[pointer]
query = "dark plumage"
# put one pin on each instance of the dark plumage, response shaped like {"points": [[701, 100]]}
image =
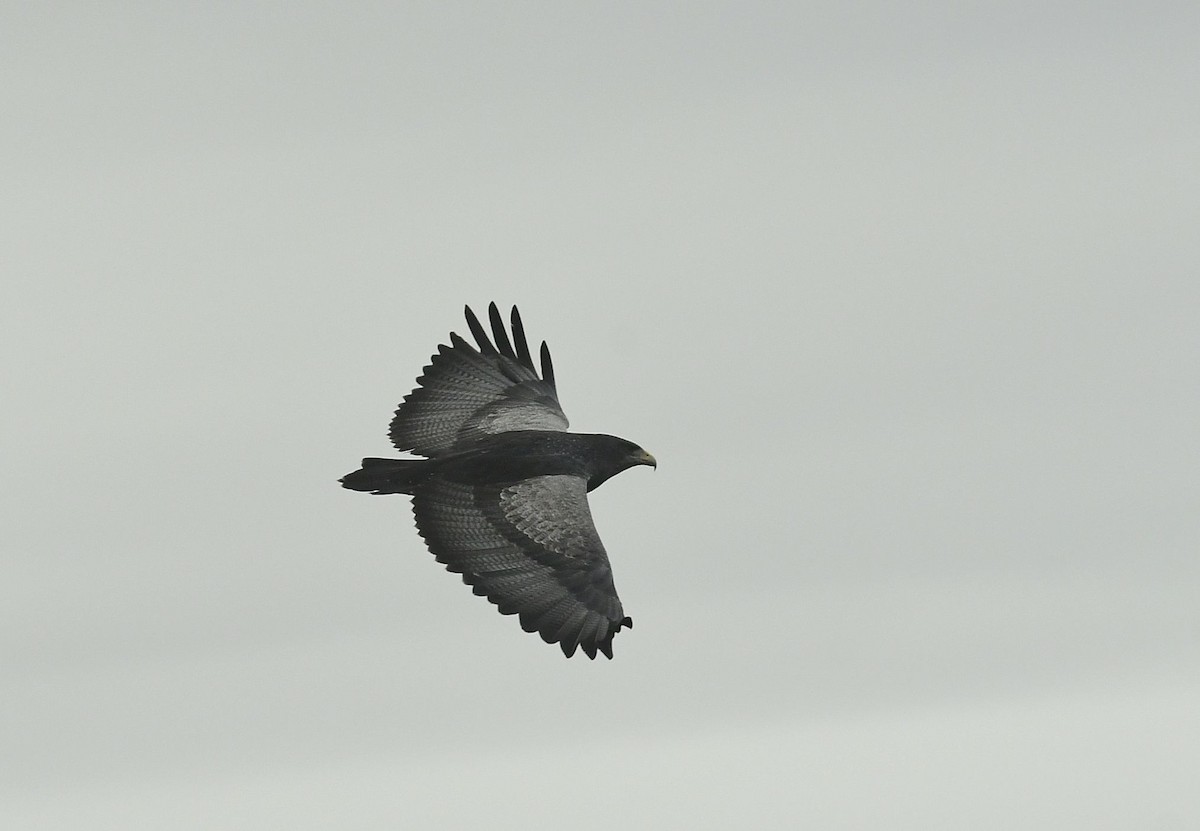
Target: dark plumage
{"points": [[502, 496]]}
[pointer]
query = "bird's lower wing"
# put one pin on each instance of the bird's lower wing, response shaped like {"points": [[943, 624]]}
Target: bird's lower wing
{"points": [[532, 549]]}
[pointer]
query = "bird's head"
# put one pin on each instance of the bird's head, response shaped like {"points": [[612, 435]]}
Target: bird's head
{"points": [[611, 455], [638, 456]]}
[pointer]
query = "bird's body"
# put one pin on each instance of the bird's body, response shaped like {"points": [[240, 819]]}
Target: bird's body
{"points": [[521, 454], [502, 496]]}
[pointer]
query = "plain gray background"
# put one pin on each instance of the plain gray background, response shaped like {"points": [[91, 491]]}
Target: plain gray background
{"points": [[903, 297]]}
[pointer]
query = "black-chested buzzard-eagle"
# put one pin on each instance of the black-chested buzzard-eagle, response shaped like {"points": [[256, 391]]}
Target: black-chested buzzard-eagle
{"points": [[502, 496]]}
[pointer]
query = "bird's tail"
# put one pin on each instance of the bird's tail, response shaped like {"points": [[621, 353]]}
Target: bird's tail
{"points": [[387, 475]]}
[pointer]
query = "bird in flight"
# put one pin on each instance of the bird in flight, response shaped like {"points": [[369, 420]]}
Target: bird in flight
{"points": [[501, 497]]}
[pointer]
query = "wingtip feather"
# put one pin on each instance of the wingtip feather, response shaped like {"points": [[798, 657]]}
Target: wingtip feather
{"points": [[498, 334], [547, 366], [479, 333], [519, 341]]}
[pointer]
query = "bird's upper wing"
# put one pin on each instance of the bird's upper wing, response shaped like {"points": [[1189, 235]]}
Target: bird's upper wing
{"points": [[467, 393], [531, 548]]}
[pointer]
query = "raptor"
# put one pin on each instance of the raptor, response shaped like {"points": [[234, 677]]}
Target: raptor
{"points": [[500, 496]]}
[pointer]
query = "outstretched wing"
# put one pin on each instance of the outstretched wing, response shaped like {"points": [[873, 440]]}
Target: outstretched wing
{"points": [[467, 393], [531, 548]]}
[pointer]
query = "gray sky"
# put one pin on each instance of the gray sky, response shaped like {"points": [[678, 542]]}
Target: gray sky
{"points": [[904, 300]]}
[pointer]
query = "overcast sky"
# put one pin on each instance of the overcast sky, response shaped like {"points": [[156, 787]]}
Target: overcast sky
{"points": [[905, 300]]}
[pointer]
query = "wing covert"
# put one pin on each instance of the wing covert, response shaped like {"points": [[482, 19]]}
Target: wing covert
{"points": [[466, 393]]}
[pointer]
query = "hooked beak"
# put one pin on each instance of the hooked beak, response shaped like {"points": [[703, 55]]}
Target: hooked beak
{"points": [[641, 457]]}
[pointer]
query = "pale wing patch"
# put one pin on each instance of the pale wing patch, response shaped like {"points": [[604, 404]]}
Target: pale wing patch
{"points": [[507, 415], [553, 512]]}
